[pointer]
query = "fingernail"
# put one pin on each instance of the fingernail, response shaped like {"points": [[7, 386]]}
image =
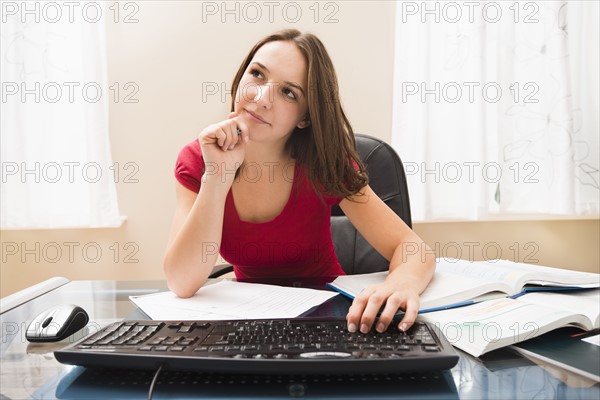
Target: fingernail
{"points": [[364, 328], [404, 326], [380, 327], [352, 328]]}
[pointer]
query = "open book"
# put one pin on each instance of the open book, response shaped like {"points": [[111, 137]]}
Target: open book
{"points": [[490, 325], [459, 282]]}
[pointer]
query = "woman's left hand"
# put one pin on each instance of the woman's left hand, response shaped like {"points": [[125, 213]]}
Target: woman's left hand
{"points": [[365, 307]]}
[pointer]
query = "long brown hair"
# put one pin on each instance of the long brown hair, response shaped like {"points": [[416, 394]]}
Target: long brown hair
{"points": [[326, 147]]}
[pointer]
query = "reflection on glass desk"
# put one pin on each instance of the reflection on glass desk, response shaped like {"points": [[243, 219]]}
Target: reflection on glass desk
{"points": [[30, 371]]}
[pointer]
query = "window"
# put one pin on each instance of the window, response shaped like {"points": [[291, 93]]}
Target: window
{"points": [[56, 162], [496, 108]]}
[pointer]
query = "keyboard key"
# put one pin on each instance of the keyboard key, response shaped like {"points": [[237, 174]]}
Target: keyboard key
{"points": [[152, 323], [326, 346], [186, 328], [428, 341], [158, 340]]}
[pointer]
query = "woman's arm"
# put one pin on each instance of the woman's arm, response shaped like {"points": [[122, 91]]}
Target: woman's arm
{"points": [[197, 227], [195, 237], [412, 264]]}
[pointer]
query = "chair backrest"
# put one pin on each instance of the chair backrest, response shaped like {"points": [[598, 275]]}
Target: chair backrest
{"points": [[388, 181]]}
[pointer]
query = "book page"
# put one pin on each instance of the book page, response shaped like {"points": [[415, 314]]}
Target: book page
{"points": [[486, 271], [232, 300], [542, 275], [352, 285], [585, 302], [517, 275], [486, 326], [446, 288], [457, 281]]}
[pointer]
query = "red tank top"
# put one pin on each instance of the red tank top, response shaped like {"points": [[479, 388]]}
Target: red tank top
{"points": [[296, 243]]}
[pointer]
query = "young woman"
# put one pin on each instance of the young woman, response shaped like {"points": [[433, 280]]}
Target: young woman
{"points": [[258, 187]]}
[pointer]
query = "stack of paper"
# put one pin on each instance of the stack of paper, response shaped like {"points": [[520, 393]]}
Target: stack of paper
{"points": [[232, 300]]}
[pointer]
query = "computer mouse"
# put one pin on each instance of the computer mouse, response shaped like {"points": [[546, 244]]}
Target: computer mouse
{"points": [[57, 323]]}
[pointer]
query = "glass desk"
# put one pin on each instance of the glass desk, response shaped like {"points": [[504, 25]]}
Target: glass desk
{"points": [[29, 370]]}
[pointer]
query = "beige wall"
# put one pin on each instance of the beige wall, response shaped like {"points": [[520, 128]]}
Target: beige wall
{"points": [[170, 54], [571, 244]]}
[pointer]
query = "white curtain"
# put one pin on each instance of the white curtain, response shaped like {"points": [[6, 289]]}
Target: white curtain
{"points": [[496, 108], [57, 170]]}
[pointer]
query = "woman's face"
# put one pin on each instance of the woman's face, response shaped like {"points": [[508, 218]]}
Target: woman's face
{"points": [[271, 96]]}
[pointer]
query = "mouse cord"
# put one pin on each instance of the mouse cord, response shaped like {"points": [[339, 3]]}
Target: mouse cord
{"points": [[151, 389]]}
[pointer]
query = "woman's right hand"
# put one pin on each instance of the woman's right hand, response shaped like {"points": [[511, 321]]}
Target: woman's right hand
{"points": [[223, 149]]}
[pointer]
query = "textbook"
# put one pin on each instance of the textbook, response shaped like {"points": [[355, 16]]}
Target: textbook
{"points": [[459, 283], [486, 305], [489, 325]]}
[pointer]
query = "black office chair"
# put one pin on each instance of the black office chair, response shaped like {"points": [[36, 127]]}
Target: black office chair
{"points": [[388, 181]]}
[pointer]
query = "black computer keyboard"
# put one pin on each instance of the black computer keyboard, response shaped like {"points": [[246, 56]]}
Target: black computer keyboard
{"points": [[282, 346]]}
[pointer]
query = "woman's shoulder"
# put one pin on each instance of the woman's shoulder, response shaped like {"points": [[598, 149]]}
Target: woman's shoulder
{"points": [[191, 150], [189, 167]]}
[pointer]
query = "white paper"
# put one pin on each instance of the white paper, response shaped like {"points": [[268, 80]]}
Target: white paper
{"points": [[232, 300], [593, 340]]}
